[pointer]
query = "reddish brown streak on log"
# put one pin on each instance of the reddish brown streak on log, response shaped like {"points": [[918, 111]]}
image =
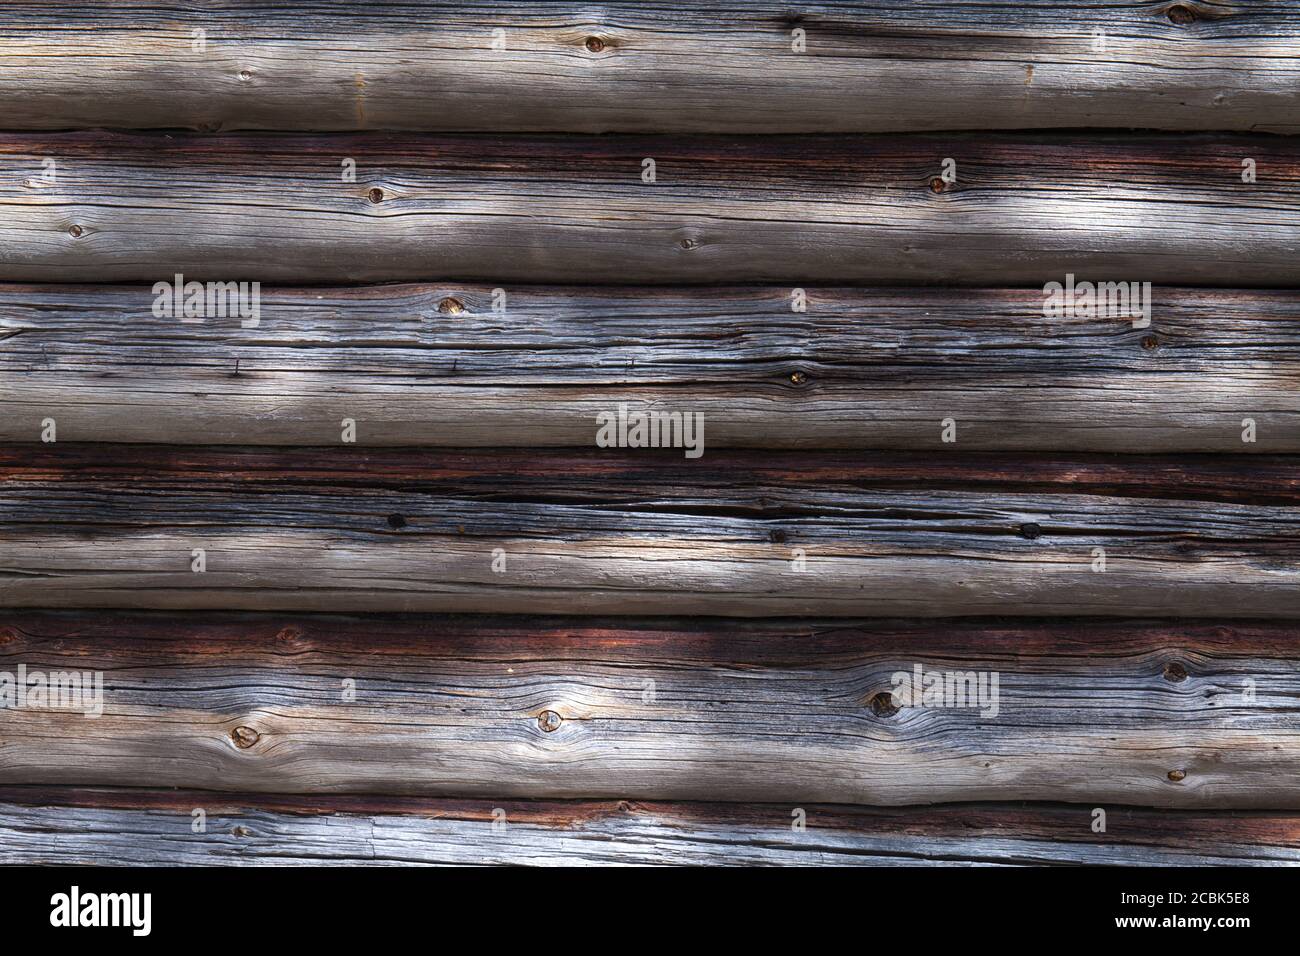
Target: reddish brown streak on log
{"points": [[159, 636], [1259, 479], [1001, 158]]}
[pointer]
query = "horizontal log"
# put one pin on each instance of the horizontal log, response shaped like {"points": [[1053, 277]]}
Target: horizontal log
{"points": [[61, 826], [1110, 713], [572, 534], [1260, 480], [705, 66], [1023, 210], [436, 365]]}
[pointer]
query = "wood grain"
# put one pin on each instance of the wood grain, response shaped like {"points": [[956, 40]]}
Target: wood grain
{"points": [[437, 365], [64, 826], [1259, 480], [706, 66], [1097, 713], [1024, 210], [732, 625], [664, 537]]}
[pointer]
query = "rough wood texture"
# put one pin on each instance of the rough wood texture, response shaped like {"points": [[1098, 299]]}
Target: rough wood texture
{"points": [[627, 533], [154, 828], [1091, 712], [1024, 210], [1263, 479], [858, 369], [697, 67]]}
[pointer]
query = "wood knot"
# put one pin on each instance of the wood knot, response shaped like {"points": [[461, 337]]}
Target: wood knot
{"points": [[1175, 672], [1150, 343], [689, 244], [288, 635], [244, 737], [937, 185], [882, 704], [1030, 530], [75, 232], [594, 45], [549, 721], [798, 378], [1181, 15], [375, 195], [8, 635], [245, 75], [241, 831], [451, 306], [396, 522], [1176, 775], [776, 536]]}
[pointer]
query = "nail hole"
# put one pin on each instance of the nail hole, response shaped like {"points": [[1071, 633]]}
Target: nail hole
{"points": [[549, 721], [396, 521], [882, 704], [1175, 672], [375, 195], [595, 44], [451, 305]]}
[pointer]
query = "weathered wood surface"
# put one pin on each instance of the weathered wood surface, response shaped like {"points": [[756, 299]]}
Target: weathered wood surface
{"points": [[59, 826], [1024, 210], [632, 533], [697, 67], [436, 365], [1261, 480], [1098, 713]]}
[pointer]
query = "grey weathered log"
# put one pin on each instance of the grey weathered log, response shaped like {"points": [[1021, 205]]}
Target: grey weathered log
{"points": [[436, 365], [61, 826], [617, 532], [1098, 713], [621, 66], [1024, 209]]}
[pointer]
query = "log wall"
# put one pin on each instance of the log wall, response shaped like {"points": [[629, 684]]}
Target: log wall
{"points": [[357, 579]]}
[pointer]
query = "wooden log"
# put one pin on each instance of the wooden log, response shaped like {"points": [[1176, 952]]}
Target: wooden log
{"points": [[667, 536], [435, 365], [61, 826], [1261, 480], [1096, 713], [1024, 209], [620, 66]]}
